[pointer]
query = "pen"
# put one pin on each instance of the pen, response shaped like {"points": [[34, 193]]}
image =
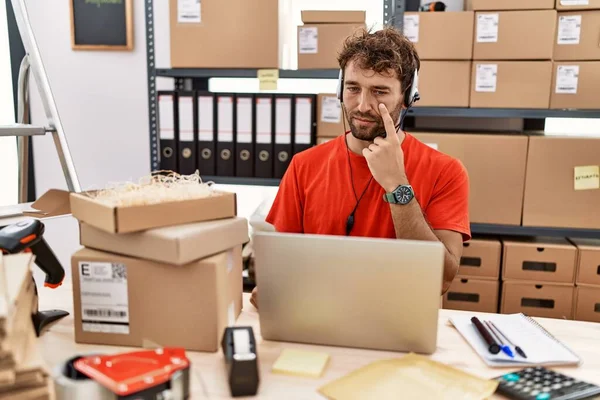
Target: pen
{"points": [[505, 348], [493, 347], [517, 348]]}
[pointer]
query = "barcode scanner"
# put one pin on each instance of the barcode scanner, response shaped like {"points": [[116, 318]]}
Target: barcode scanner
{"points": [[28, 236]]}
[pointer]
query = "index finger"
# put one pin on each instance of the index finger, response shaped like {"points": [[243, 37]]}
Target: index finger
{"points": [[390, 128]]}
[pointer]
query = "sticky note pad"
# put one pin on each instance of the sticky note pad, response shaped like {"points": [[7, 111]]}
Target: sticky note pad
{"points": [[300, 362], [587, 177], [267, 79]]}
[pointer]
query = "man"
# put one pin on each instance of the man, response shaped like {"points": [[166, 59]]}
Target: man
{"points": [[376, 180]]}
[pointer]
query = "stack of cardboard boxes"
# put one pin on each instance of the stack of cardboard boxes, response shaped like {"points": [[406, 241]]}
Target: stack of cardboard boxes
{"points": [[165, 274], [576, 76], [587, 280], [476, 287], [444, 42], [23, 374]]}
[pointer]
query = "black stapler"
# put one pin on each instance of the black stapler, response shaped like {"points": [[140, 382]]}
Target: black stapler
{"points": [[241, 360]]}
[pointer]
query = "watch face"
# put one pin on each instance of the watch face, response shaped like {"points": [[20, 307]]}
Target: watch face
{"points": [[404, 194]]}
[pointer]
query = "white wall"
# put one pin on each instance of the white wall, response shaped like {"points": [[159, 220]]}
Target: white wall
{"points": [[101, 97], [8, 145]]}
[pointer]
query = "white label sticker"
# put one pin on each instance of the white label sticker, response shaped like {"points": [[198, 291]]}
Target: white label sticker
{"points": [[104, 300], [188, 11], [263, 121], [186, 119], [206, 129], [244, 120], [231, 314], [487, 28], [225, 120], [567, 79], [308, 40], [411, 27], [166, 124], [574, 2], [569, 29], [432, 145], [303, 121], [485, 80], [283, 121], [331, 110]]}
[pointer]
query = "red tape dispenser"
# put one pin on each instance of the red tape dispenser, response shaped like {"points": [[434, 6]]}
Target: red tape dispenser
{"points": [[145, 375]]}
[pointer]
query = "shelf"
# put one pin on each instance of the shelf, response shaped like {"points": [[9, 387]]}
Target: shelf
{"points": [[234, 180], [245, 73], [501, 113], [509, 230]]}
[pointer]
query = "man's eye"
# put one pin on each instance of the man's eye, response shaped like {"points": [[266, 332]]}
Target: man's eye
{"points": [[380, 93], [353, 89]]}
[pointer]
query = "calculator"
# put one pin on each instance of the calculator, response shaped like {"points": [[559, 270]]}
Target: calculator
{"points": [[539, 383]]}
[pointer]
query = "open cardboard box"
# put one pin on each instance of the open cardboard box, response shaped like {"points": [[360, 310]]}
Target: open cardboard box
{"points": [[138, 218], [53, 203]]}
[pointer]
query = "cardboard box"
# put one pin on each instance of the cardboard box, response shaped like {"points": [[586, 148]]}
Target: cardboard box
{"points": [[437, 90], [537, 300], [588, 261], [220, 34], [139, 218], [481, 259], [511, 84], [496, 186], [576, 85], [441, 35], [539, 260], [514, 35], [578, 5], [562, 180], [472, 295], [329, 116], [492, 5], [322, 35], [177, 245], [149, 304], [587, 303], [577, 36]]}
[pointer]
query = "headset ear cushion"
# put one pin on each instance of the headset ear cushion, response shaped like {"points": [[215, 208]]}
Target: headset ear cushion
{"points": [[340, 86]]}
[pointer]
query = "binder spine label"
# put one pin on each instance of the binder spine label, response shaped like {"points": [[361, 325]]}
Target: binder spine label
{"points": [[165, 117], [283, 116], [205, 119], [186, 119]]}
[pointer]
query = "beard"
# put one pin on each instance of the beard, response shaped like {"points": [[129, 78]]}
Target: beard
{"points": [[369, 133]]}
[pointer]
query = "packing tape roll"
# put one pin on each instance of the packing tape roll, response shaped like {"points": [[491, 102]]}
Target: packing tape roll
{"points": [[74, 389]]}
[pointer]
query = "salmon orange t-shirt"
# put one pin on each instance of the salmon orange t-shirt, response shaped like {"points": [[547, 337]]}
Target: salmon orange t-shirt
{"points": [[316, 197]]}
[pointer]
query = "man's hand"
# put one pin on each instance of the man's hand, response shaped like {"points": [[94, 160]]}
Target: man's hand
{"points": [[385, 156], [254, 297]]}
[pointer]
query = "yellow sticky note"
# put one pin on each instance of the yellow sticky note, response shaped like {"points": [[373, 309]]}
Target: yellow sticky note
{"points": [[587, 177], [267, 79], [300, 362]]}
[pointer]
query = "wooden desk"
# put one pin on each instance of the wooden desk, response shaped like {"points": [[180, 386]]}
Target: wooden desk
{"points": [[208, 377]]}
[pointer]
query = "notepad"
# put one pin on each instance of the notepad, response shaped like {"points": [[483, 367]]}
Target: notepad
{"points": [[300, 362], [539, 345]]}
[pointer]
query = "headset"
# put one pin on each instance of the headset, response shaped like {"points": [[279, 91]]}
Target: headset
{"points": [[413, 92]]}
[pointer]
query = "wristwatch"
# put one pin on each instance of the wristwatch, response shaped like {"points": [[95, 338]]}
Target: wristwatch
{"points": [[403, 194]]}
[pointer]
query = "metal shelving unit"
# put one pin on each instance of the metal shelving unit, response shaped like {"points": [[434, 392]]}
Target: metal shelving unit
{"points": [[393, 13]]}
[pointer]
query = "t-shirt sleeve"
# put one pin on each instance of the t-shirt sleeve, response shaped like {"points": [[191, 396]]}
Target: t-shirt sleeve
{"points": [[449, 205], [286, 214]]}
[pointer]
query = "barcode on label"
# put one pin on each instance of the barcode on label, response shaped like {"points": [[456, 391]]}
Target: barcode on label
{"points": [[103, 312], [119, 271]]}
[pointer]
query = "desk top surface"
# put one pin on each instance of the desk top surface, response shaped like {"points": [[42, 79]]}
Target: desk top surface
{"points": [[208, 371]]}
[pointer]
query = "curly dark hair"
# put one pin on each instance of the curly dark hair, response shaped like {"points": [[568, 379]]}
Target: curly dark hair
{"points": [[381, 51]]}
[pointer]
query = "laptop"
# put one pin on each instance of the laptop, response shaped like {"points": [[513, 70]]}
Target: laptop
{"points": [[380, 294]]}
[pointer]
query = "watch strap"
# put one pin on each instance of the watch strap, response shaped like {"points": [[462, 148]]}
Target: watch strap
{"points": [[390, 197]]}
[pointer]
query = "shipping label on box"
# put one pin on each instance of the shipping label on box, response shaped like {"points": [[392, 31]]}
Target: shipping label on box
{"points": [[569, 29], [308, 40], [587, 177], [567, 79], [486, 79], [331, 110], [487, 28], [104, 300], [411, 27]]}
